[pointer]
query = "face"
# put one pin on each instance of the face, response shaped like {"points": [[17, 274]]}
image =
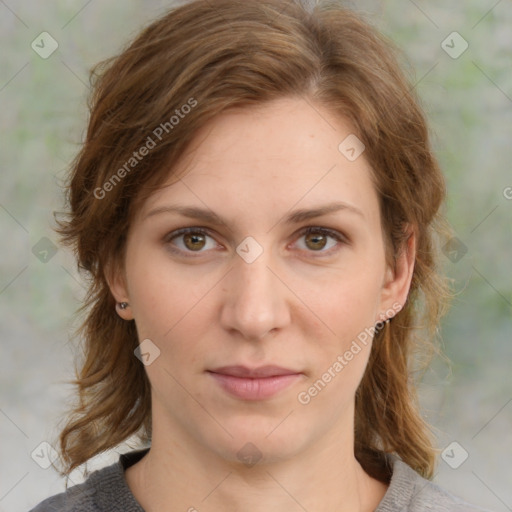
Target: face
{"points": [[251, 283]]}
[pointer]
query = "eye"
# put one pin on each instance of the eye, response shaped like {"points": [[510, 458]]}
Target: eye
{"points": [[316, 239], [193, 240]]}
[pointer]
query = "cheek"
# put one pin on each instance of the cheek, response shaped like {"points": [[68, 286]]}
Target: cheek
{"points": [[340, 345], [341, 304], [173, 309], [339, 337]]}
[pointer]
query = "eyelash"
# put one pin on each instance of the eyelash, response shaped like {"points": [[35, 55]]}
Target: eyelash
{"points": [[305, 231]]}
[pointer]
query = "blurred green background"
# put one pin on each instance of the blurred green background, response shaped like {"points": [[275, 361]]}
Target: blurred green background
{"points": [[468, 99]]}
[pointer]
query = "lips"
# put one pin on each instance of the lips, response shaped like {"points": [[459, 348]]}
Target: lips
{"points": [[254, 373], [254, 383]]}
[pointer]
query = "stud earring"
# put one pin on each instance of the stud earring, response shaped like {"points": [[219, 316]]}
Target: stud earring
{"points": [[382, 324], [123, 305]]}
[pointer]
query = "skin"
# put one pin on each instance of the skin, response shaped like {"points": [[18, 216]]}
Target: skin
{"points": [[299, 305]]}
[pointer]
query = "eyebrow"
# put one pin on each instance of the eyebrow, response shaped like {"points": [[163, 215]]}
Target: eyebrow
{"points": [[294, 217]]}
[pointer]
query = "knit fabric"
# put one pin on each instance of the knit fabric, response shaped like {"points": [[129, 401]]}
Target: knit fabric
{"points": [[106, 490]]}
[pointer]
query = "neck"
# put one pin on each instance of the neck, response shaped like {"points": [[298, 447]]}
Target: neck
{"points": [[322, 477]]}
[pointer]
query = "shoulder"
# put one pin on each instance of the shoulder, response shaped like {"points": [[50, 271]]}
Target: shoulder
{"points": [[79, 498], [104, 490], [409, 492]]}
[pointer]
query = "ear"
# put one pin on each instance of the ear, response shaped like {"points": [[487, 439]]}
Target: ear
{"points": [[116, 280], [397, 280]]}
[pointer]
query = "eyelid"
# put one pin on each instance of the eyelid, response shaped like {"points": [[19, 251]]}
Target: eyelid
{"points": [[334, 233], [340, 237]]}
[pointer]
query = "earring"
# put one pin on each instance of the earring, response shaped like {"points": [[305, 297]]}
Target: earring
{"points": [[383, 323], [123, 305]]}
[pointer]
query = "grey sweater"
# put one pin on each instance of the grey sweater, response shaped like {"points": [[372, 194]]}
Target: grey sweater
{"points": [[106, 490]]}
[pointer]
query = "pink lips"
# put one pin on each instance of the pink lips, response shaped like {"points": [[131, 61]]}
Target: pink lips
{"points": [[256, 383]]}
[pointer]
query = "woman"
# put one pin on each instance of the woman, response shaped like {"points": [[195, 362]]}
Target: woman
{"points": [[257, 204]]}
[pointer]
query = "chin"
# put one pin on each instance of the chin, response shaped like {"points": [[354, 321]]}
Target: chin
{"points": [[255, 442]]}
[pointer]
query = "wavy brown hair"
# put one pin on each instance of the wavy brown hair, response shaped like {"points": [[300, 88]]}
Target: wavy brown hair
{"points": [[226, 54]]}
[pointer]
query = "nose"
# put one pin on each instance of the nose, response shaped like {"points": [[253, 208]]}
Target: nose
{"points": [[256, 299]]}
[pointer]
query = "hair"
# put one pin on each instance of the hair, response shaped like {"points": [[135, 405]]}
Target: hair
{"points": [[185, 68]]}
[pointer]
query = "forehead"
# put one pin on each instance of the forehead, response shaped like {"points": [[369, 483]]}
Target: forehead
{"points": [[270, 158]]}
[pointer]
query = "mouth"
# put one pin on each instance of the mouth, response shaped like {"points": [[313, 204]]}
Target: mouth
{"points": [[254, 383]]}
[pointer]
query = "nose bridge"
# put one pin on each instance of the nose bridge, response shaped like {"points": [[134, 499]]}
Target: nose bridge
{"points": [[254, 303]]}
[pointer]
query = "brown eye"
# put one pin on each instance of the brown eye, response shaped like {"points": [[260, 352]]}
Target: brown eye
{"points": [[194, 241], [189, 240], [315, 241]]}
